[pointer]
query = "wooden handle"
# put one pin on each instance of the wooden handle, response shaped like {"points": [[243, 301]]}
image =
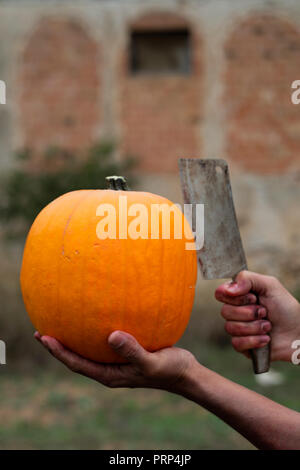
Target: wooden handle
{"points": [[261, 359]]}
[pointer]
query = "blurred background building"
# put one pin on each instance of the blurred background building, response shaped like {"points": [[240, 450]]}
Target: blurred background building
{"points": [[166, 79], [161, 80]]}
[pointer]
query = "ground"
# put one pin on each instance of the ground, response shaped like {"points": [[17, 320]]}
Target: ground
{"points": [[55, 409]]}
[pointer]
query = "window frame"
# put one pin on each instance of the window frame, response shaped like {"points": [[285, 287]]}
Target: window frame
{"points": [[133, 68]]}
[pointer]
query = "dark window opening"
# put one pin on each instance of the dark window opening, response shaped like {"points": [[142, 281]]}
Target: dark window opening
{"points": [[160, 52]]}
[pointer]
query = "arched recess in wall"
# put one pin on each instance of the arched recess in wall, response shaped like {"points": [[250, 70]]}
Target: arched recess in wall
{"points": [[263, 126], [161, 90], [60, 86]]}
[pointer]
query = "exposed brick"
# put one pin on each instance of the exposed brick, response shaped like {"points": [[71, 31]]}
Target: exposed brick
{"points": [[263, 59], [158, 20], [60, 86], [160, 115]]}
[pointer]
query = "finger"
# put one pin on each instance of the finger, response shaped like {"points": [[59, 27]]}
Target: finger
{"points": [[234, 288], [128, 347], [222, 296], [243, 343], [37, 336], [245, 282], [243, 313], [74, 362], [258, 327]]}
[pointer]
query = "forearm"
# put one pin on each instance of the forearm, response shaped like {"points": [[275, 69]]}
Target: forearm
{"points": [[263, 422]]}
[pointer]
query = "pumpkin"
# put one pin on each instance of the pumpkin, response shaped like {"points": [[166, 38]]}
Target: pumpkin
{"points": [[79, 286]]}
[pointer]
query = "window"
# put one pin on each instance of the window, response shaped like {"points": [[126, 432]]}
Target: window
{"points": [[160, 52]]}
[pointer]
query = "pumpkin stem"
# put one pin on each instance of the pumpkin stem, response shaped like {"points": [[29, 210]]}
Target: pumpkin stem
{"points": [[118, 183]]}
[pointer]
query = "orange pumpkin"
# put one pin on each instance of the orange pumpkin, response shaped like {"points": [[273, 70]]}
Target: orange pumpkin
{"points": [[79, 288]]}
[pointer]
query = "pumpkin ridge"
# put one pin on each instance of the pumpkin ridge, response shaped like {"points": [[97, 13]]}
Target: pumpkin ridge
{"points": [[50, 207], [157, 323], [74, 209], [124, 296], [83, 279]]}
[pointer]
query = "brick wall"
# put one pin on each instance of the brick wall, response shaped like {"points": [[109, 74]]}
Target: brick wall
{"points": [[59, 86], [262, 60], [235, 102], [160, 115]]}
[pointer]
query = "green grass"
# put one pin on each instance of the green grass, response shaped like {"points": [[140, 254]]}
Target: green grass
{"points": [[55, 409]]}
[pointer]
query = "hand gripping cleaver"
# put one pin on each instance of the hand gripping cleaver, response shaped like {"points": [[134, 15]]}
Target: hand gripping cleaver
{"points": [[206, 181]]}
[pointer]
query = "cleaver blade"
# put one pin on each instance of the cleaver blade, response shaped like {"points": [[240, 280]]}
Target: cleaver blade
{"points": [[207, 181]]}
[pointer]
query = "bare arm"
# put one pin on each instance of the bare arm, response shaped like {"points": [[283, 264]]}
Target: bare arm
{"points": [[263, 422]]}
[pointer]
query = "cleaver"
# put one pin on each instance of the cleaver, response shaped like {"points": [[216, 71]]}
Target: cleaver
{"points": [[206, 181]]}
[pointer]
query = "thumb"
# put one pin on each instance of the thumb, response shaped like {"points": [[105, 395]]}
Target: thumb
{"points": [[128, 347], [247, 281]]}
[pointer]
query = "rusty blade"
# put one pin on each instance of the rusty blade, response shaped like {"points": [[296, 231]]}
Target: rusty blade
{"points": [[207, 182]]}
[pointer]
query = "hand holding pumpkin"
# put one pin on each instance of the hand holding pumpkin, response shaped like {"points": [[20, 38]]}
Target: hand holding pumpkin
{"points": [[165, 369], [256, 417]]}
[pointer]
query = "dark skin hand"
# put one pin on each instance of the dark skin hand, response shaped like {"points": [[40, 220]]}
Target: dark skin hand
{"points": [[163, 369], [263, 422]]}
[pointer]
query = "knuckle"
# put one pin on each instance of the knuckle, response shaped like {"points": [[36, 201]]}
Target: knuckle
{"points": [[272, 280], [240, 329], [218, 293], [131, 353], [252, 312], [252, 342], [242, 275], [236, 329], [246, 314], [246, 299], [236, 343], [229, 328], [224, 311], [238, 301], [256, 327]]}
